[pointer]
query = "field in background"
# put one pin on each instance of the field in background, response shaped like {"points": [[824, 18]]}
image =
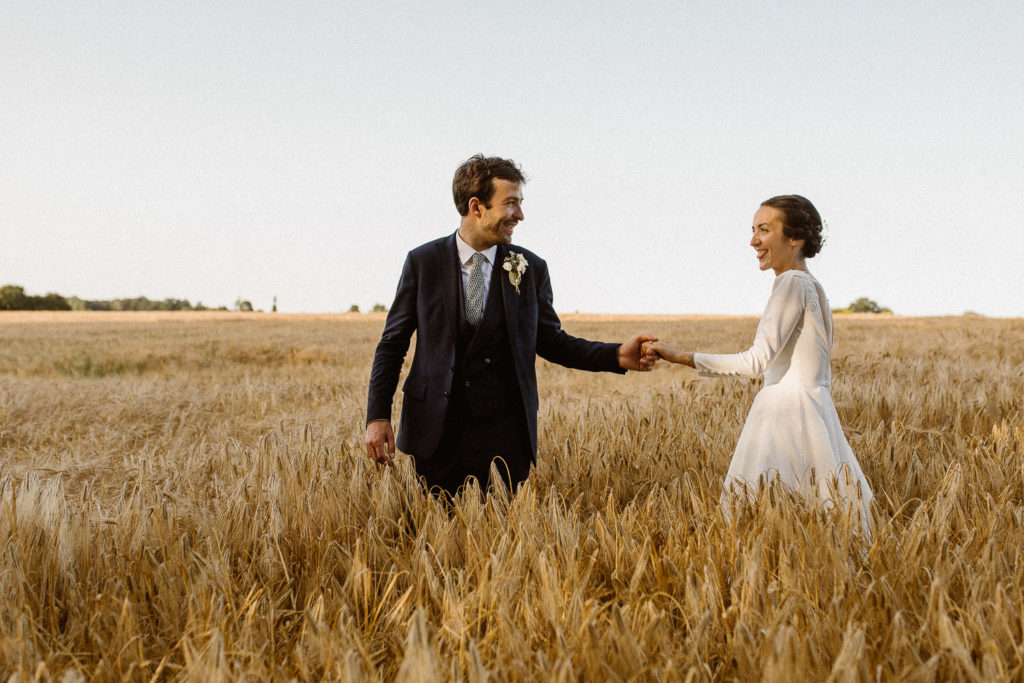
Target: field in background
{"points": [[185, 496]]}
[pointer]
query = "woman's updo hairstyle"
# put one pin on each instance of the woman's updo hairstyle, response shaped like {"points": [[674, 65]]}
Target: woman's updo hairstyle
{"points": [[801, 221]]}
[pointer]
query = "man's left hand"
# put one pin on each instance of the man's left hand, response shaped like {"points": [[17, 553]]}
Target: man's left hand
{"points": [[631, 356]]}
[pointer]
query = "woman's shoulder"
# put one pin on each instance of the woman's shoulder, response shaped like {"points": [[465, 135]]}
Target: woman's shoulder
{"points": [[792, 279], [794, 273], [797, 284]]}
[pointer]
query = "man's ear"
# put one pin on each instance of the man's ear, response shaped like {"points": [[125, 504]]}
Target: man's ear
{"points": [[476, 207]]}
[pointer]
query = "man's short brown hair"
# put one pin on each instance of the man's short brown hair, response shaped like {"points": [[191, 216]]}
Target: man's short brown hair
{"points": [[475, 178]]}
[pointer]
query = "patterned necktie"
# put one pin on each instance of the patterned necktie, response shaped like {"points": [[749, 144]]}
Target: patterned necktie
{"points": [[475, 291]]}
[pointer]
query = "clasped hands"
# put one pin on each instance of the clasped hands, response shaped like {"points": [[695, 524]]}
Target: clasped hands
{"points": [[633, 354], [654, 350], [642, 351]]}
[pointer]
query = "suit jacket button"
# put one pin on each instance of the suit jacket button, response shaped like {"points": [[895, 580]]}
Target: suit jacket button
{"points": [[445, 394], [467, 383], [487, 361]]}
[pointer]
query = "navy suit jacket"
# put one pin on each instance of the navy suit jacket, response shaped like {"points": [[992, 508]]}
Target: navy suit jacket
{"points": [[428, 302]]}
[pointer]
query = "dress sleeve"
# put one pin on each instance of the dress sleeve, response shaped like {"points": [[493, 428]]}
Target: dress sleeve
{"points": [[781, 316]]}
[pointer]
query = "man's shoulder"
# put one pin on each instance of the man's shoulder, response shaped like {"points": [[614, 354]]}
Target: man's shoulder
{"points": [[531, 257], [432, 246]]}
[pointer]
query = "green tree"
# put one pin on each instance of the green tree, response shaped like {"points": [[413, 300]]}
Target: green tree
{"points": [[12, 298], [243, 305], [866, 305], [354, 308], [380, 308]]}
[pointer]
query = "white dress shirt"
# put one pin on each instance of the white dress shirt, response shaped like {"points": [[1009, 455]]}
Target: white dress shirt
{"points": [[466, 259]]}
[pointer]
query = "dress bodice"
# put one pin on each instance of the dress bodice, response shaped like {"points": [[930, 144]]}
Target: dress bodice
{"points": [[793, 343]]}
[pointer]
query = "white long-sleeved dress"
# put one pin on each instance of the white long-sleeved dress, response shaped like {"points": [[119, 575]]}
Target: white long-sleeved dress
{"points": [[792, 430]]}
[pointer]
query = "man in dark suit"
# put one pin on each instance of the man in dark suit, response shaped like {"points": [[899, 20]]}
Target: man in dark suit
{"points": [[482, 311]]}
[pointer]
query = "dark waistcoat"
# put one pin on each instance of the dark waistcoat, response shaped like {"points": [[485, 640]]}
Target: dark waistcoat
{"points": [[485, 373]]}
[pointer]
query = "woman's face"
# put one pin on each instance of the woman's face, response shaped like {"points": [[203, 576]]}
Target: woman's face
{"points": [[774, 250]]}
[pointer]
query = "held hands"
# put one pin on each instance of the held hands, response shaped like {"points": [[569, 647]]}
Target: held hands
{"points": [[380, 442], [631, 355], [653, 350]]}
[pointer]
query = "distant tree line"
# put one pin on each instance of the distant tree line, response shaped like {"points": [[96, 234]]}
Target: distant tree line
{"points": [[139, 303], [14, 298], [377, 308]]}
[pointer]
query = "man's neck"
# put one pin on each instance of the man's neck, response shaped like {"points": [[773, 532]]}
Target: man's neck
{"points": [[467, 235]]}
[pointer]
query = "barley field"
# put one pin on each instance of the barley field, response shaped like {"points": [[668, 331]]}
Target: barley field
{"points": [[186, 497]]}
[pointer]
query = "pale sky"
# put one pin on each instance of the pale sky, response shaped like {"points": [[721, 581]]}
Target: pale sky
{"points": [[211, 150]]}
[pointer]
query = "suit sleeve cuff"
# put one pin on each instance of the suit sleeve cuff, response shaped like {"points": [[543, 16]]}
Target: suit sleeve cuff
{"points": [[613, 359]]}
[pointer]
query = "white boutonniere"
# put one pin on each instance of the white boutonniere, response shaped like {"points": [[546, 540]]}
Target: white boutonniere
{"points": [[515, 264]]}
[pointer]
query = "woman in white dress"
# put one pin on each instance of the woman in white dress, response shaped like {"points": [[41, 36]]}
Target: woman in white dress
{"points": [[792, 431]]}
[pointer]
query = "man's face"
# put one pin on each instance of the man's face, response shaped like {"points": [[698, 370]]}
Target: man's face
{"points": [[497, 222]]}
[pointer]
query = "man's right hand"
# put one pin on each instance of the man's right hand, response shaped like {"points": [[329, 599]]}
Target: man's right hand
{"points": [[380, 442]]}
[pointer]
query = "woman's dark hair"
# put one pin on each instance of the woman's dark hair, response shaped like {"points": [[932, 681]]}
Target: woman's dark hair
{"points": [[475, 178], [801, 221]]}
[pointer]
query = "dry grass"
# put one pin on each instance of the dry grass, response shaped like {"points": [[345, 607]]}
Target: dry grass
{"points": [[185, 497]]}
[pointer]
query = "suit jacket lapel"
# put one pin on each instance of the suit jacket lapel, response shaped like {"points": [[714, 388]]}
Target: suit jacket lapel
{"points": [[511, 299], [450, 271]]}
